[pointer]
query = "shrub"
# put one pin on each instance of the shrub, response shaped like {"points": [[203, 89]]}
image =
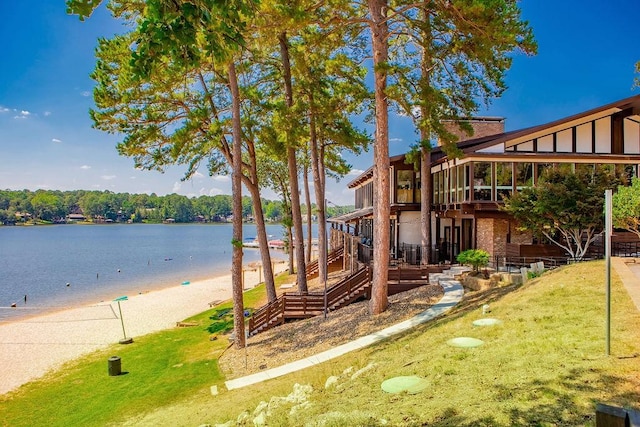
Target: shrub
{"points": [[475, 257]]}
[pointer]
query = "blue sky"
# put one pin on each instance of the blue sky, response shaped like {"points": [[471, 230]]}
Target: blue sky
{"points": [[587, 52]]}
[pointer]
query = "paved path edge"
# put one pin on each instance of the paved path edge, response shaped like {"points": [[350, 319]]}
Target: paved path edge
{"points": [[453, 292]]}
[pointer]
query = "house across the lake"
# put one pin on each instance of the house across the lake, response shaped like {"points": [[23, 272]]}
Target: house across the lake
{"points": [[468, 191]]}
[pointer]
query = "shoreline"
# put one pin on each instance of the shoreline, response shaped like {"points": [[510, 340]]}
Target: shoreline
{"points": [[25, 311], [29, 348]]}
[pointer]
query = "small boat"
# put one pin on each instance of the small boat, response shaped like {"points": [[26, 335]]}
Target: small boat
{"points": [[251, 242], [276, 244]]}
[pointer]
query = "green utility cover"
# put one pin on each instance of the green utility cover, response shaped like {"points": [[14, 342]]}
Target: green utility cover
{"points": [[465, 342], [486, 322], [411, 384]]}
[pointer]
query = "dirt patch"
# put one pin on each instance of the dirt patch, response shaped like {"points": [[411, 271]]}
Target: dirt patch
{"points": [[300, 339]]}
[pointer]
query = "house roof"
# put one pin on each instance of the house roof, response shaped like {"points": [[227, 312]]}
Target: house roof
{"points": [[343, 219], [474, 145]]}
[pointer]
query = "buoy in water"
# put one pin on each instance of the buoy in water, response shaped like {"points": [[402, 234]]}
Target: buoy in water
{"points": [[68, 284]]}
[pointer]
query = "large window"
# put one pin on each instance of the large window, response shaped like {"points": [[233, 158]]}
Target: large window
{"points": [[445, 190], [504, 180], [404, 187], [541, 168], [460, 172], [482, 181], [524, 175]]}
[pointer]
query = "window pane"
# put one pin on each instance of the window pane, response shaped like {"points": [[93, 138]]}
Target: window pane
{"points": [[482, 181], [404, 187], [460, 184], [504, 180], [524, 175]]}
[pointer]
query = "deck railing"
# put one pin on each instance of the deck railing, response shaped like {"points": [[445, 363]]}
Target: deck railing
{"points": [[312, 268], [299, 306]]}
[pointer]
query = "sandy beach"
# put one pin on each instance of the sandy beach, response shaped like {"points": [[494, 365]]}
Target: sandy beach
{"points": [[32, 347]]}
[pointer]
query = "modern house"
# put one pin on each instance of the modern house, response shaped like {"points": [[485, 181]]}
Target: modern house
{"points": [[467, 192]]}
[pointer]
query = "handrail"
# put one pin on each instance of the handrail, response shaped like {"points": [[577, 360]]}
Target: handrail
{"points": [[313, 267], [293, 305]]}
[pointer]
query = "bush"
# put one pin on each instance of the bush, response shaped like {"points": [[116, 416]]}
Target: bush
{"points": [[474, 257]]}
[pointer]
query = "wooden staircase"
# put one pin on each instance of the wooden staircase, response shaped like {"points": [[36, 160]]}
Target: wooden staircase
{"points": [[290, 306], [313, 270], [295, 306]]}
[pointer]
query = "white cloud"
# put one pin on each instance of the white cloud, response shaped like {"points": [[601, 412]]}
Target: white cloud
{"points": [[3, 109], [47, 113], [85, 167], [23, 114], [198, 175], [55, 140], [85, 93], [355, 172], [221, 178], [176, 187], [108, 177], [395, 139]]}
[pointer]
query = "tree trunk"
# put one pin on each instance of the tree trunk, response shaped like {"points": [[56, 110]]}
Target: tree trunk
{"points": [[317, 168], [381, 207], [292, 164], [425, 145], [261, 233], [425, 203], [307, 197], [236, 189]]}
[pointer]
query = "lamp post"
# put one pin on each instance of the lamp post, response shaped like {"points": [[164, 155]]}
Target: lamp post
{"points": [[608, 196], [124, 340]]}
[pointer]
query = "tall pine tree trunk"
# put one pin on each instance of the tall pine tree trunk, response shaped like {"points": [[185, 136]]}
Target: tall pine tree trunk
{"points": [[263, 243], [236, 189], [425, 143], [307, 198], [425, 202], [381, 207], [317, 168], [296, 214]]}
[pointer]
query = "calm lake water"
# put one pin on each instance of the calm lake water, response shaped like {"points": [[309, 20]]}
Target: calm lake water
{"points": [[103, 262]]}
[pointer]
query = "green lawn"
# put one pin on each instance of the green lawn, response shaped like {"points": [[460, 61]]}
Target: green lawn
{"points": [[544, 365]]}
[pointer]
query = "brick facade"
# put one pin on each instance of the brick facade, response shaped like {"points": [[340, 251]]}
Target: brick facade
{"points": [[482, 126], [492, 235]]}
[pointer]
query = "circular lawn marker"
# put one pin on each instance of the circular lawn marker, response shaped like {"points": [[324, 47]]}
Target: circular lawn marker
{"points": [[465, 342], [411, 384], [486, 322]]}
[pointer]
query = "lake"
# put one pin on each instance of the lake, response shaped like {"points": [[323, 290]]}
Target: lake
{"points": [[103, 262]]}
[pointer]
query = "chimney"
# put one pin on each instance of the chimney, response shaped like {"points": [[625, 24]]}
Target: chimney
{"points": [[482, 126]]}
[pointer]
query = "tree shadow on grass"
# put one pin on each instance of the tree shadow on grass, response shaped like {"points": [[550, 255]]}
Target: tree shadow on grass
{"points": [[551, 402], [222, 321]]}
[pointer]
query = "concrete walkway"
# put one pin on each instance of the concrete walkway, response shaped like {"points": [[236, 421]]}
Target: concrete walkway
{"points": [[630, 276], [453, 293]]}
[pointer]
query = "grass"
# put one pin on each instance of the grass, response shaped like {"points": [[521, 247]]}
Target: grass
{"points": [[159, 369], [544, 365]]}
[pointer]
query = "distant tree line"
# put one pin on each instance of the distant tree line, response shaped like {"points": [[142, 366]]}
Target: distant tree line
{"points": [[55, 207]]}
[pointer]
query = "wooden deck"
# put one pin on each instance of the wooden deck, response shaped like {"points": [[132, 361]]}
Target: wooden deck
{"points": [[291, 306]]}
